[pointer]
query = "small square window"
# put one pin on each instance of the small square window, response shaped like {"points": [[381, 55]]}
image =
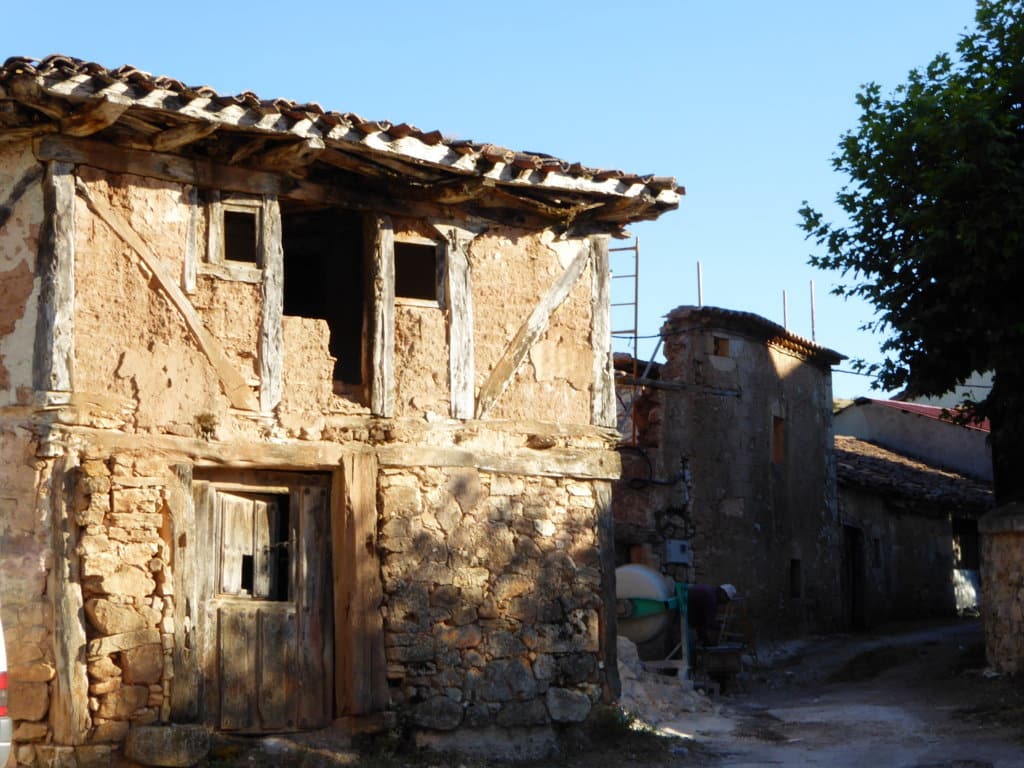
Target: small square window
{"points": [[720, 346], [240, 240], [416, 271], [778, 440]]}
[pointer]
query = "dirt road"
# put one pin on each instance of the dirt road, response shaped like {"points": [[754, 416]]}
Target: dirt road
{"points": [[912, 698]]}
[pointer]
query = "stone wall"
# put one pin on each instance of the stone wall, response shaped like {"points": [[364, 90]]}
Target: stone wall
{"points": [[492, 597], [1002, 587]]}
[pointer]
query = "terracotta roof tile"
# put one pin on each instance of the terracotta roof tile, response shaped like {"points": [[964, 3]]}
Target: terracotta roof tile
{"points": [[864, 465]]}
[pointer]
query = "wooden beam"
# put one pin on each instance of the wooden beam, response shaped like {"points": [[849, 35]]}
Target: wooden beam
{"points": [[286, 157], [174, 138], [608, 640], [53, 364], [69, 705], [586, 463], [92, 117], [380, 364], [535, 325], [360, 666], [271, 342], [602, 411], [192, 255], [459, 300], [9, 135], [188, 551], [235, 386]]}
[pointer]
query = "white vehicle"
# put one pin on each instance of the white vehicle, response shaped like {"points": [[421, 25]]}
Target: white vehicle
{"points": [[6, 727]]}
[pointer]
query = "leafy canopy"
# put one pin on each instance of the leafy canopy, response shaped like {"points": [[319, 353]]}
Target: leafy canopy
{"points": [[935, 207]]}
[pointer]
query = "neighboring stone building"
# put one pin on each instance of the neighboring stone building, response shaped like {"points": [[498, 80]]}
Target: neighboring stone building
{"points": [[910, 534], [731, 478], [302, 417]]}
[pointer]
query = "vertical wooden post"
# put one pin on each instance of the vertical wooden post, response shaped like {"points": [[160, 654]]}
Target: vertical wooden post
{"points": [[188, 551], [603, 403], [359, 665], [69, 707], [609, 625], [55, 339], [191, 261], [379, 365], [459, 301], [271, 343]]}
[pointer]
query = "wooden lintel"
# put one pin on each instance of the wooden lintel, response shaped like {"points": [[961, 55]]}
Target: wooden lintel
{"points": [[235, 386], [285, 157], [517, 350], [553, 462], [172, 138], [92, 117]]}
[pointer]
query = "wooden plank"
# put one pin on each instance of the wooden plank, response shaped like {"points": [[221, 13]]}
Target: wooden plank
{"points": [[295, 154], [360, 666], [69, 714], [235, 386], [265, 511], [236, 540], [214, 228], [535, 325], [93, 117], [381, 309], [554, 462], [279, 688], [236, 649], [187, 540], [612, 687], [55, 265], [459, 300], [171, 139], [271, 340], [313, 597], [192, 255], [602, 413]]}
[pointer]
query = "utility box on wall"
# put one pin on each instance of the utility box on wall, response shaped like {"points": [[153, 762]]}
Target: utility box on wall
{"points": [[678, 552]]}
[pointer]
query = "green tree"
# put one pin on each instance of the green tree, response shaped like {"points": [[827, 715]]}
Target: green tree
{"points": [[934, 235]]}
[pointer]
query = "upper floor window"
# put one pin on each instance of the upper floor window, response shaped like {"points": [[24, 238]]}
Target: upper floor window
{"points": [[417, 263]]}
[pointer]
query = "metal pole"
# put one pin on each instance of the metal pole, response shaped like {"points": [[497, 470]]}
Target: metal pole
{"points": [[785, 312], [814, 336], [700, 286]]}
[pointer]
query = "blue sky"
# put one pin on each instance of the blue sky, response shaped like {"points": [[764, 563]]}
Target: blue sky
{"points": [[743, 102]]}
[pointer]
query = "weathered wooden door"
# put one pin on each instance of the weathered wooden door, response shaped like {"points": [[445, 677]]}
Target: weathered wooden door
{"points": [[267, 638]]}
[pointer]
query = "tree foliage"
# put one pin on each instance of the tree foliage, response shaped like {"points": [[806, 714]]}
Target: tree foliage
{"points": [[935, 214]]}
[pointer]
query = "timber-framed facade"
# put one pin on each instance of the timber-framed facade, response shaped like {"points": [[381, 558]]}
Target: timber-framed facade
{"points": [[303, 417]]}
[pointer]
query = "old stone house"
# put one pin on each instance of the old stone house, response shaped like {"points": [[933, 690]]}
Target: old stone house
{"points": [[731, 476], [910, 534], [303, 417]]}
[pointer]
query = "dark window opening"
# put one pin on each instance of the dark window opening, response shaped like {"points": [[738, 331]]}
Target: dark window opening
{"points": [[778, 440], [324, 278], [720, 346], [965, 544], [256, 537], [240, 241], [795, 579], [416, 271]]}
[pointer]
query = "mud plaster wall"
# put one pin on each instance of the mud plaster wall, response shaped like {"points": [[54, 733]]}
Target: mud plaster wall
{"points": [[491, 597], [908, 572], [19, 290], [421, 361], [129, 341], [511, 273]]}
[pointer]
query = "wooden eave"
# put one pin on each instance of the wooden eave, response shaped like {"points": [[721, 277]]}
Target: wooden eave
{"points": [[134, 111]]}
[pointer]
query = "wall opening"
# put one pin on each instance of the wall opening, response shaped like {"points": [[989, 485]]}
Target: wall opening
{"points": [[241, 241], [255, 556], [965, 544], [324, 278], [416, 267], [796, 589], [778, 440], [720, 346]]}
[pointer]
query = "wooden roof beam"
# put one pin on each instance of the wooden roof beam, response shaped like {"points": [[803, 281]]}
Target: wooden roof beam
{"points": [[174, 138], [286, 157], [92, 117]]}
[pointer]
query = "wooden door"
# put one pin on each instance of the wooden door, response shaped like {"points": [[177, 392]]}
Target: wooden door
{"points": [[267, 634]]}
